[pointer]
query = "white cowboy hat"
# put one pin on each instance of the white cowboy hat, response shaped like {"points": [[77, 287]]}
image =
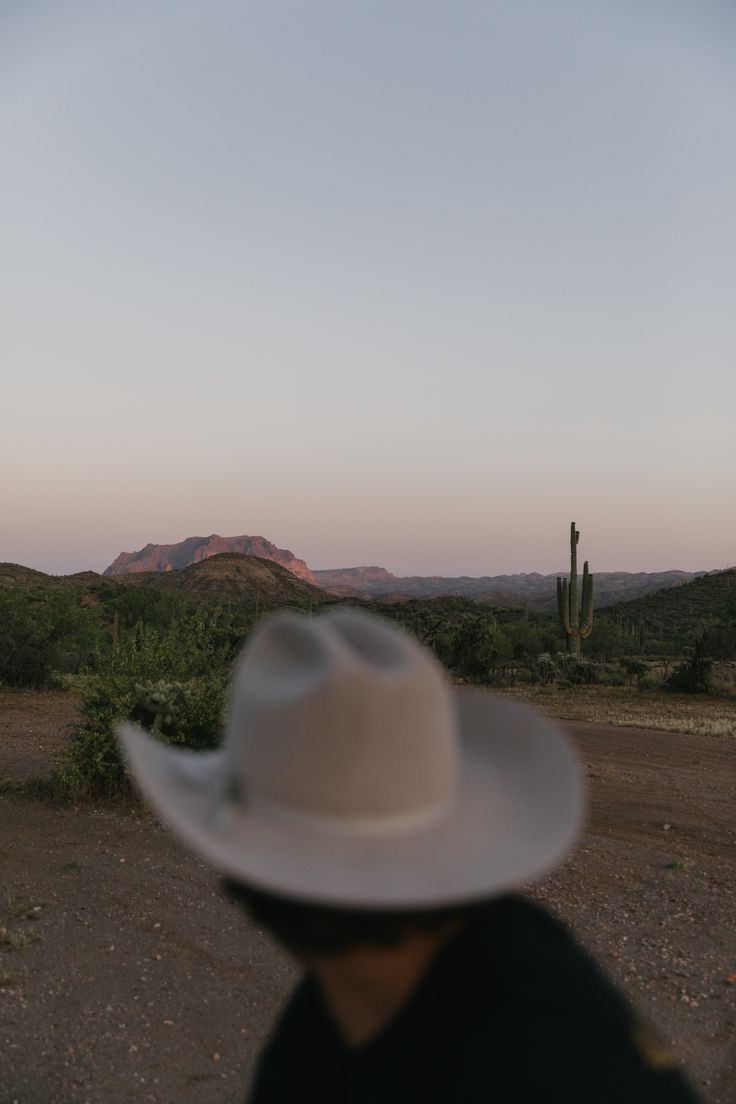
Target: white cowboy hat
{"points": [[351, 774]]}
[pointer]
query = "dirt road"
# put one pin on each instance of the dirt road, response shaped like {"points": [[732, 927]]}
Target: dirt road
{"points": [[125, 976]]}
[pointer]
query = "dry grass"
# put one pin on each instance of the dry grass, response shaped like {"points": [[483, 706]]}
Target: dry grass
{"points": [[14, 910], [695, 715], [13, 941]]}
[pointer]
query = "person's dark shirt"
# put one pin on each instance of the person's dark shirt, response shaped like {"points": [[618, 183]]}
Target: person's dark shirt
{"points": [[510, 1011]]}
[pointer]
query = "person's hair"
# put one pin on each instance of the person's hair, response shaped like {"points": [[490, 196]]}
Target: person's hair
{"points": [[305, 928]]}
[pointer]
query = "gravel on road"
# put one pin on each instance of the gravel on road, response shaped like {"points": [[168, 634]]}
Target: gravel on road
{"points": [[125, 975]]}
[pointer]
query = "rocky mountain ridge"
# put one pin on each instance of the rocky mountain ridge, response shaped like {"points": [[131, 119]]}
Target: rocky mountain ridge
{"points": [[234, 577], [171, 557], [532, 588]]}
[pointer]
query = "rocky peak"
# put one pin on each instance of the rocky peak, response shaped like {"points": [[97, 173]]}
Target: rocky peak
{"points": [[170, 557]]}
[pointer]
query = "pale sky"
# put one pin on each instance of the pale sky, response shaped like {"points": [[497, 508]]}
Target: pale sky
{"points": [[401, 283]]}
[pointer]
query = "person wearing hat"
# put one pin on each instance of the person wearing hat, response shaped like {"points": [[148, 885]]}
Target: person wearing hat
{"points": [[380, 825]]}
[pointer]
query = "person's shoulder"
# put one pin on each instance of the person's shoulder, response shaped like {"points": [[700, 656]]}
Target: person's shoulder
{"points": [[568, 1030], [540, 965], [301, 1031]]}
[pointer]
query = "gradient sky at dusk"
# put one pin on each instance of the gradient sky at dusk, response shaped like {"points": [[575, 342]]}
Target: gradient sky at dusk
{"points": [[403, 282]]}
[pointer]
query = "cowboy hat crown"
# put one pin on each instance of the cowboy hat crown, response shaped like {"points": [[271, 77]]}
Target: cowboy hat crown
{"points": [[339, 716]]}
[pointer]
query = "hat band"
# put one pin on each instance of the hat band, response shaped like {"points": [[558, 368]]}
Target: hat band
{"points": [[393, 824], [387, 825]]}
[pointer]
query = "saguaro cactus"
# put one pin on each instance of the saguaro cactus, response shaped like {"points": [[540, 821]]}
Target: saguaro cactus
{"points": [[576, 620]]}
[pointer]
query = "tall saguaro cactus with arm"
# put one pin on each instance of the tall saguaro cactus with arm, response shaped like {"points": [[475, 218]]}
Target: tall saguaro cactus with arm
{"points": [[576, 619]]}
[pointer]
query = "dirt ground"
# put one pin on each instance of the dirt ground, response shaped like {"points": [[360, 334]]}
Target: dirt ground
{"points": [[124, 975]]}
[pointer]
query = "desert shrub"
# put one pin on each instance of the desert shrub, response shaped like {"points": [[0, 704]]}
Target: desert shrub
{"points": [[574, 671], [134, 604], [545, 669], [690, 677], [721, 641], [565, 669], [173, 682], [478, 648], [634, 669], [524, 639], [188, 713], [43, 633], [605, 640], [612, 676], [724, 678], [694, 674]]}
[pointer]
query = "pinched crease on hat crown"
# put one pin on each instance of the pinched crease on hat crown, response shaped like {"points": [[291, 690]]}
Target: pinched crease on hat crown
{"points": [[343, 716]]}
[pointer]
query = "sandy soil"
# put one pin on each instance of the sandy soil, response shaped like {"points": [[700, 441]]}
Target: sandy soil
{"points": [[33, 729], [124, 975]]}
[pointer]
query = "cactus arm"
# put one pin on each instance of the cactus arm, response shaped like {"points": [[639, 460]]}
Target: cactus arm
{"points": [[587, 623], [574, 538], [565, 619], [586, 605], [559, 600]]}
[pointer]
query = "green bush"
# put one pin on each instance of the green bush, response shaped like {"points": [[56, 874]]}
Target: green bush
{"points": [[524, 639], [693, 675], [574, 671], [172, 682], [188, 713], [634, 669], [479, 647], [545, 668], [605, 640], [43, 633]]}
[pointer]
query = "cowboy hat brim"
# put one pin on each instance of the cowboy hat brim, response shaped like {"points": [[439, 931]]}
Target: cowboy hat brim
{"points": [[517, 811]]}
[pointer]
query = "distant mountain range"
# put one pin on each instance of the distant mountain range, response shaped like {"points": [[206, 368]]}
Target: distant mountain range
{"points": [[534, 589], [232, 578]]}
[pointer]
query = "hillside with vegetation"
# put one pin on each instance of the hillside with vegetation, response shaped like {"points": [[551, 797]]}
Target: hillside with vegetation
{"points": [[668, 621], [158, 647], [53, 625], [231, 578], [16, 575], [225, 577], [58, 623]]}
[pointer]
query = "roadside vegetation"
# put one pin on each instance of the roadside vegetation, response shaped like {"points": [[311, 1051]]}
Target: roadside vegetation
{"points": [[162, 656], [172, 681], [603, 703]]}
